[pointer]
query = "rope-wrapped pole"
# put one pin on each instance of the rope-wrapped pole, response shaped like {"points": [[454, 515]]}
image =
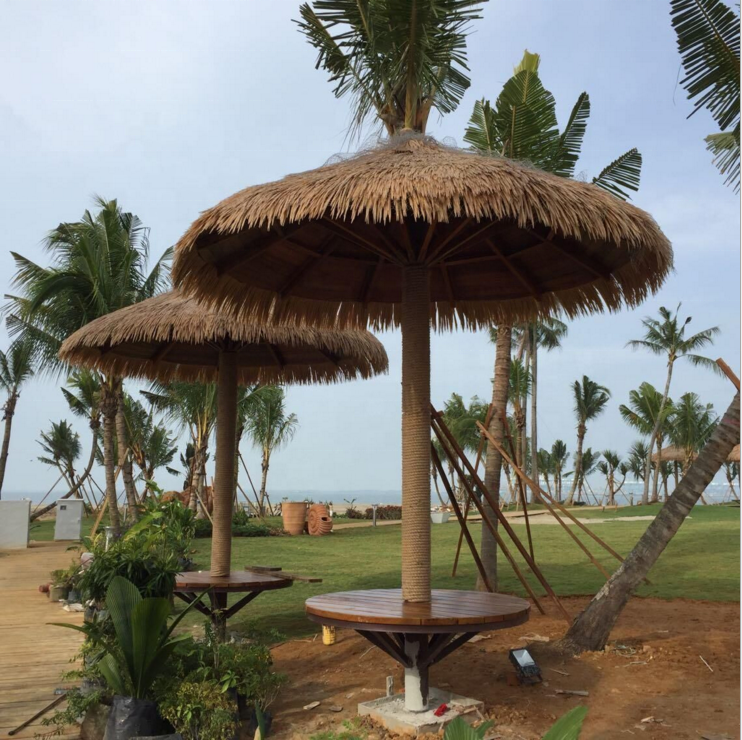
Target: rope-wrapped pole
{"points": [[224, 482], [416, 434]]}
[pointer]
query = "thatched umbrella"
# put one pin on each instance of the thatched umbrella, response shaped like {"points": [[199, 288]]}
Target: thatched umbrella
{"points": [[172, 337], [673, 453], [413, 232]]}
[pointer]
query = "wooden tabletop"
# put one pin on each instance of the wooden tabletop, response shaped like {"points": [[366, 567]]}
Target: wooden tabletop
{"points": [[384, 609], [237, 580]]}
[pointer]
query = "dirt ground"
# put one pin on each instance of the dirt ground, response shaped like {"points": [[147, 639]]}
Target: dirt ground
{"points": [[650, 682]]}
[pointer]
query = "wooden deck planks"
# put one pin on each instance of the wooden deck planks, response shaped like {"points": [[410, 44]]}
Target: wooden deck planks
{"points": [[33, 653]]}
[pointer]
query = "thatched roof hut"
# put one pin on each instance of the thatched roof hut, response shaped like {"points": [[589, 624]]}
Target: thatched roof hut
{"points": [[672, 453], [173, 337]]}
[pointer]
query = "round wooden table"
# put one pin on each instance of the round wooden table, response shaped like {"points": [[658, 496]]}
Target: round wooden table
{"points": [[189, 585], [418, 635]]}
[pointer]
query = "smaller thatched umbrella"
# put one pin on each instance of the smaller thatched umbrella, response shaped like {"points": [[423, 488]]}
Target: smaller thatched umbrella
{"points": [[673, 453], [171, 337]]}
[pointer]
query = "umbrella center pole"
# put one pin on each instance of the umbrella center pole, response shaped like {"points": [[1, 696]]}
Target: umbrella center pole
{"points": [[224, 481], [416, 433]]}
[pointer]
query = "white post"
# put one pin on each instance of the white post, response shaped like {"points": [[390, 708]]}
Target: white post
{"points": [[414, 700]]}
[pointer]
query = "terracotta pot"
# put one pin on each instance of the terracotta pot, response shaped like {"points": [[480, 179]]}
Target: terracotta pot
{"points": [[319, 521], [294, 514]]}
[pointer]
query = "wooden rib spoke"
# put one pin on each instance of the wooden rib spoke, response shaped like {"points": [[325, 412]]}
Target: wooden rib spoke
{"points": [[447, 283], [519, 273], [314, 261], [161, 352], [371, 275], [276, 354], [597, 268], [359, 240]]}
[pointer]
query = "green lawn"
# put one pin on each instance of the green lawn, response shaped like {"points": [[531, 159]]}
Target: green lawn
{"points": [[702, 562]]}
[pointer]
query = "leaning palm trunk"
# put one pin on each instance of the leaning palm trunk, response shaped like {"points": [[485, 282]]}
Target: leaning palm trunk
{"points": [[581, 431], [9, 410], [534, 407], [591, 629], [124, 460], [656, 433], [493, 461], [108, 409]]}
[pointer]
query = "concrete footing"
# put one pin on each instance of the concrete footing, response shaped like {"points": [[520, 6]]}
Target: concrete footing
{"points": [[390, 712]]}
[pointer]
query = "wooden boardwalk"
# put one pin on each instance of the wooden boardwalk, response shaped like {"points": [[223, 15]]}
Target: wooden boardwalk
{"points": [[33, 654]]}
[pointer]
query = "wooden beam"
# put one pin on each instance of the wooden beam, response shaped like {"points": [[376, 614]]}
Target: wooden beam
{"points": [[728, 372], [592, 265], [253, 250], [161, 352], [276, 354], [445, 241], [371, 276], [429, 234], [328, 356], [359, 240], [325, 251], [447, 283], [517, 272]]}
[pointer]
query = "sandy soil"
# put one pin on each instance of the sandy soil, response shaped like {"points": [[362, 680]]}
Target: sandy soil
{"points": [[651, 669]]}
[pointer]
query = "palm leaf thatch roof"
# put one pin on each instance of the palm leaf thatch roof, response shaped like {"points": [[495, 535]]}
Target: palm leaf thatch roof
{"points": [[504, 241], [679, 454], [171, 337]]}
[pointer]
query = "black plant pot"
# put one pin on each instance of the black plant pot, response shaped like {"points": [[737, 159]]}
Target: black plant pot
{"points": [[131, 718]]}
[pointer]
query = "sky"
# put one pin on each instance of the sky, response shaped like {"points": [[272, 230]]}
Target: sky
{"points": [[171, 107]]}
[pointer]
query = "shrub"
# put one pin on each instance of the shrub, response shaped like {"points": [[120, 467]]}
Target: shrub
{"points": [[200, 710], [353, 513], [248, 529], [389, 512]]}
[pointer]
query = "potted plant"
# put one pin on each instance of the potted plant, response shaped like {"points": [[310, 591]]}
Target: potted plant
{"points": [[135, 658]]}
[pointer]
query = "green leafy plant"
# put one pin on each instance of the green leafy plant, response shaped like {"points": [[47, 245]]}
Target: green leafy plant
{"points": [[201, 710], [458, 729], [143, 641], [567, 727], [352, 730]]}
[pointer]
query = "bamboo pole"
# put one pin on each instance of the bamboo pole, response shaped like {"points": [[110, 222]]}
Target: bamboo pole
{"points": [[459, 516], [495, 533], [561, 508], [467, 504], [441, 429]]}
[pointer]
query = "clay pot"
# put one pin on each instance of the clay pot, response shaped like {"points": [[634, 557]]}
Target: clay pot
{"points": [[294, 514], [319, 521]]}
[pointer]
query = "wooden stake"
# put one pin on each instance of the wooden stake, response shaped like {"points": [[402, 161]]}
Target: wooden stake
{"points": [[561, 508], [467, 504], [38, 714], [462, 521]]}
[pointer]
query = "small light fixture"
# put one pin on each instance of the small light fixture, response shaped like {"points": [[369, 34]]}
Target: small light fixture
{"points": [[525, 666]]}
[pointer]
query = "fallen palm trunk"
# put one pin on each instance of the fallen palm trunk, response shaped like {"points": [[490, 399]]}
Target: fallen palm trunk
{"points": [[592, 627]]}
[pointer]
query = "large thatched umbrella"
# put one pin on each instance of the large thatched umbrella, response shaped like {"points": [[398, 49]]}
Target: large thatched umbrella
{"points": [[414, 232], [172, 337]]}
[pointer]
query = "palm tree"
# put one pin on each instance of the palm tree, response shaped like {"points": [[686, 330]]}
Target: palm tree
{"points": [[270, 428], [666, 337], [693, 423], [609, 466], [589, 465], [397, 60], [637, 460], [643, 413], [17, 366], [520, 386], [559, 457], [590, 401], [546, 467], [708, 42], [193, 407], [591, 629], [98, 265], [61, 445]]}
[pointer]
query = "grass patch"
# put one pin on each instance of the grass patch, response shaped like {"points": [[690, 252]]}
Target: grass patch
{"points": [[701, 562]]}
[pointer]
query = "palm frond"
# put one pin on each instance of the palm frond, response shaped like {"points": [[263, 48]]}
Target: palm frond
{"points": [[725, 148], [621, 175]]}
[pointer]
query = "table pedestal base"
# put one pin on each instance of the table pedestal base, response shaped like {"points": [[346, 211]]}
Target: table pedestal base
{"points": [[416, 653], [390, 712]]}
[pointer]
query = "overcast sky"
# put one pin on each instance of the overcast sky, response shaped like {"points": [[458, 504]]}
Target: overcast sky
{"points": [[170, 107]]}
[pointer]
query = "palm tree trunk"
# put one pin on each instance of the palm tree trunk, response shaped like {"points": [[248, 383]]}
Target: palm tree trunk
{"points": [[108, 409], [125, 457], [591, 629], [9, 410], [581, 431], [493, 461], [264, 465], [656, 432], [656, 482]]}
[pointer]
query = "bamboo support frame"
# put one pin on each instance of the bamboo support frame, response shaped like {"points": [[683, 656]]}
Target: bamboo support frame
{"points": [[551, 500], [442, 431], [462, 521]]}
